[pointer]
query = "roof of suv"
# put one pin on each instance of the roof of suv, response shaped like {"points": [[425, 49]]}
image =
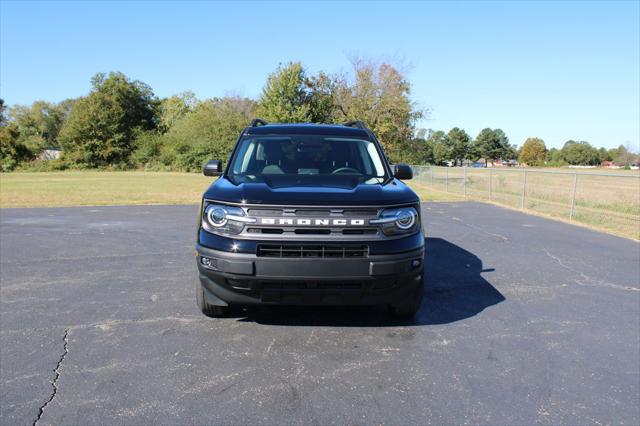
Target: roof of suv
{"points": [[306, 129]]}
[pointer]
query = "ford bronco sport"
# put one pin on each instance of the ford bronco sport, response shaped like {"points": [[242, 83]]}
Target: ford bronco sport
{"points": [[308, 214]]}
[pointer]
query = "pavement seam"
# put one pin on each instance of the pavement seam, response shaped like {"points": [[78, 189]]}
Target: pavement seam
{"points": [[56, 376]]}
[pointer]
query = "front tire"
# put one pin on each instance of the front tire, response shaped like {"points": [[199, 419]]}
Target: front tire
{"points": [[212, 311], [410, 307]]}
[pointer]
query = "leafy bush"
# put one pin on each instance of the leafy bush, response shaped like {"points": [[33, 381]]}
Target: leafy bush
{"points": [[148, 146], [44, 165], [101, 127], [208, 132], [12, 151]]}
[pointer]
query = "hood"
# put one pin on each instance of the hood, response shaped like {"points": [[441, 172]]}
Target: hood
{"points": [[394, 192]]}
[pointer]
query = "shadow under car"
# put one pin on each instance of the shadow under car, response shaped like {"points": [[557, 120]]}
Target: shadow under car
{"points": [[454, 289]]}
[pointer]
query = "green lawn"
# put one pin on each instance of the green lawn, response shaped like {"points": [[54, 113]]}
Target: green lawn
{"points": [[89, 188], [92, 188]]}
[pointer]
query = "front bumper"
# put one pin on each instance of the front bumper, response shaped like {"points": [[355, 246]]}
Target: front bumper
{"points": [[243, 278]]}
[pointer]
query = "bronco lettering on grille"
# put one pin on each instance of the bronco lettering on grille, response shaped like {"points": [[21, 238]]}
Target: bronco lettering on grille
{"points": [[311, 222]]}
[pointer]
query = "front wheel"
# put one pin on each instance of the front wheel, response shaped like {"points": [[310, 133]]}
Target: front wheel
{"points": [[207, 309], [409, 307]]}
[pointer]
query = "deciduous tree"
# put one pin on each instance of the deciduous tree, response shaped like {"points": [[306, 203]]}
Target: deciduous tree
{"points": [[379, 95], [38, 124], [12, 152], [101, 127], [95, 134], [285, 97], [416, 151], [624, 155], [135, 98], [580, 153], [533, 152], [208, 132], [321, 102], [439, 143], [173, 108]]}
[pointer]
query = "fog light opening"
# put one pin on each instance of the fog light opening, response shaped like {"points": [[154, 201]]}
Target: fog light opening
{"points": [[415, 263], [208, 263]]}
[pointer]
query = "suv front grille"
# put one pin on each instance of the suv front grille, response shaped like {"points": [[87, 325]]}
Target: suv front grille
{"points": [[314, 225], [309, 250], [292, 222]]}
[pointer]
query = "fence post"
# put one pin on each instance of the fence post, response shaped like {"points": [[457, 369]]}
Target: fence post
{"points": [[431, 175], [573, 196], [446, 180], [465, 182], [490, 184], [524, 189]]}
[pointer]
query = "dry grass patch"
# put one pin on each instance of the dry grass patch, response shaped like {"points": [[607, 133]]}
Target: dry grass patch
{"points": [[609, 202]]}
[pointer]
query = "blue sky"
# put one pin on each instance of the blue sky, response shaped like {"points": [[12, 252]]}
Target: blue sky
{"points": [[555, 70]]}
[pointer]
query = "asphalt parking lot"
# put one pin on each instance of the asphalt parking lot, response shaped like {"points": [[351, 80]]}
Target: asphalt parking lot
{"points": [[525, 320]]}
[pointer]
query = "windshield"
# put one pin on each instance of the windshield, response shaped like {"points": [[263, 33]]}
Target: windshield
{"points": [[307, 160]]}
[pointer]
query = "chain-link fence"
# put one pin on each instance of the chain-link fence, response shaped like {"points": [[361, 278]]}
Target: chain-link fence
{"points": [[606, 200]]}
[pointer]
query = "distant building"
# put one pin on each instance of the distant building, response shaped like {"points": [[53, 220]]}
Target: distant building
{"points": [[505, 163], [483, 162], [609, 165], [50, 154]]}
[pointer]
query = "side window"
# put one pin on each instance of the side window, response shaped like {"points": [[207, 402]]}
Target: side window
{"points": [[244, 157], [377, 163]]}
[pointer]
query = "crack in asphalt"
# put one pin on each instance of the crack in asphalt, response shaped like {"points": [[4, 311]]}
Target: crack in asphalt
{"points": [[56, 376], [477, 228], [587, 280], [106, 324]]}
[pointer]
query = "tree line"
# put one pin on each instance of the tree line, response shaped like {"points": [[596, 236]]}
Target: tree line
{"points": [[456, 147], [575, 153], [122, 124]]}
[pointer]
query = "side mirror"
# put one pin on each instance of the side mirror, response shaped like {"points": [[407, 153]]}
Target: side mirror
{"points": [[212, 168], [402, 171]]}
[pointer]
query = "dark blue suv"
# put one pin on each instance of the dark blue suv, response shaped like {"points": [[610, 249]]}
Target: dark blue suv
{"points": [[308, 214]]}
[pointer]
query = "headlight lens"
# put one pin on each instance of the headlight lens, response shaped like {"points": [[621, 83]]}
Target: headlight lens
{"points": [[217, 216], [405, 219], [226, 220], [398, 221]]}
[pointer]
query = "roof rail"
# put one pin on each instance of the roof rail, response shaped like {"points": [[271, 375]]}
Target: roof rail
{"points": [[258, 122], [356, 123]]}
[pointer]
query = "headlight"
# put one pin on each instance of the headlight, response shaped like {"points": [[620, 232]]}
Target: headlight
{"points": [[398, 221], [220, 219]]}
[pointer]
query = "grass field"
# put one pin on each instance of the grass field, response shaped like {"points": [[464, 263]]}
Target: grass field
{"points": [[89, 188], [92, 188], [602, 202], [609, 200]]}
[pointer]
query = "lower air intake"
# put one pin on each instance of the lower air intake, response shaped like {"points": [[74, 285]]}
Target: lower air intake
{"points": [[303, 250]]}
